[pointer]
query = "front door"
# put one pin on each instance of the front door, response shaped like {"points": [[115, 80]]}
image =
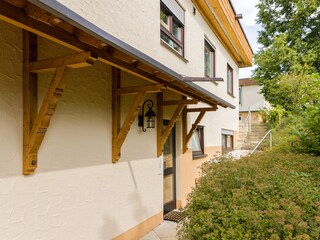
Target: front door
{"points": [[169, 172]]}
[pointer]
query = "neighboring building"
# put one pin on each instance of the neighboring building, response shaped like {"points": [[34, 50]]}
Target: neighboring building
{"points": [[70, 92], [251, 101]]}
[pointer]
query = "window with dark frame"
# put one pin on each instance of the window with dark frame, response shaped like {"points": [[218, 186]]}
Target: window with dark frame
{"points": [[227, 142], [198, 142], [229, 79], [209, 60], [172, 27]]}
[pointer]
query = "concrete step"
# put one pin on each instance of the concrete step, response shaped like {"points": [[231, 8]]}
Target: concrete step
{"points": [[249, 140]]}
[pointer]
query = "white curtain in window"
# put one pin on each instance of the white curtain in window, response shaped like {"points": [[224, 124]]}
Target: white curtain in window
{"points": [[196, 145]]}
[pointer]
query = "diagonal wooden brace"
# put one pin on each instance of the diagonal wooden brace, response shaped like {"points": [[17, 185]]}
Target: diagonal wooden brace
{"points": [[187, 136], [42, 121], [35, 124]]}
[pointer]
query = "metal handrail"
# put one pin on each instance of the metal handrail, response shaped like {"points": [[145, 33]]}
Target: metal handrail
{"points": [[261, 141], [247, 121]]}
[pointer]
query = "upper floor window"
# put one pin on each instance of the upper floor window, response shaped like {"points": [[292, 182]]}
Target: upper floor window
{"points": [[229, 80], [172, 25], [209, 60]]}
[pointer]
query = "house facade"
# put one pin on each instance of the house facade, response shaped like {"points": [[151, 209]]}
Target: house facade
{"points": [[251, 101], [80, 83]]}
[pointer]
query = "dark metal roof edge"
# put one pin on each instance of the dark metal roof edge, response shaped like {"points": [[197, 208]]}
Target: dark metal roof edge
{"points": [[75, 19]]}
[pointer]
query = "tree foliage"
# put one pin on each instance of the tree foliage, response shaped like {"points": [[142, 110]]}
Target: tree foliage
{"points": [[290, 38]]}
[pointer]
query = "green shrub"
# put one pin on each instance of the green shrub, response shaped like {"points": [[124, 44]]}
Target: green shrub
{"points": [[265, 196], [309, 131], [273, 116]]}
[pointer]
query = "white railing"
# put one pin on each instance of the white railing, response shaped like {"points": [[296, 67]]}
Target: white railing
{"points": [[247, 121], [261, 141], [256, 106]]}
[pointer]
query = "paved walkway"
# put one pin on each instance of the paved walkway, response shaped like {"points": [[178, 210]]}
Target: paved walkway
{"points": [[165, 231]]}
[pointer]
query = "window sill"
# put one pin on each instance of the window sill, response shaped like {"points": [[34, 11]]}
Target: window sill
{"points": [[196, 157], [231, 95], [173, 51], [215, 83]]}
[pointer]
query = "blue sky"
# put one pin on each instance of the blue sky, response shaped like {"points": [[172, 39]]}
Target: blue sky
{"points": [[249, 12]]}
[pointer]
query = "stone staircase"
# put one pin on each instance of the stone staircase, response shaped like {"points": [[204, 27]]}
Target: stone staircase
{"points": [[248, 140]]}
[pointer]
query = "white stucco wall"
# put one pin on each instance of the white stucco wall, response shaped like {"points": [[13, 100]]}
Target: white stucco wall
{"points": [[76, 193], [139, 23], [251, 98]]}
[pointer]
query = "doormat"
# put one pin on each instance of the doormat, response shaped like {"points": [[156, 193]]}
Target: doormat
{"points": [[174, 216]]}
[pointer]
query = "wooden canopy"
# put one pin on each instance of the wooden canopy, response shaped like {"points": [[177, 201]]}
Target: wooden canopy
{"points": [[53, 21]]}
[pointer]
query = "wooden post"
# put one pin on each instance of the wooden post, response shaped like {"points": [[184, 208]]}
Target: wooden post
{"points": [[116, 112], [184, 128], [119, 134], [30, 99], [159, 122]]}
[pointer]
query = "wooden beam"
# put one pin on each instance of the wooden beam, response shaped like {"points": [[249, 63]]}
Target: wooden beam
{"points": [[75, 60], [30, 99], [116, 113], [194, 126], [186, 137], [138, 89], [159, 123], [171, 124], [17, 17], [136, 106], [209, 109], [47, 109], [18, 3], [41, 15], [86, 38], [184, 128], [119, 134], [178, 102]]}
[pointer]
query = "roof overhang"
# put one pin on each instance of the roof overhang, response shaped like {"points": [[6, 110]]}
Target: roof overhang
{"points": [[54, 21], [221, 17], [247, 82]]}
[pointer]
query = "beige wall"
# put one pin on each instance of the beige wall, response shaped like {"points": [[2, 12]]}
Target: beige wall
{"points": [[256, 117], [76, 193], [189, 171], [251, 98]]}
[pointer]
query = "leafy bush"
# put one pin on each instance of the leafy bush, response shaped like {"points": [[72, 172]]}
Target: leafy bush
{"points": [[309, 131], [273, 116], [265, 196]]}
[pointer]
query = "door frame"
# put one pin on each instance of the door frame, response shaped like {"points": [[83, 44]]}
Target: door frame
{"points": [[171, 205]]}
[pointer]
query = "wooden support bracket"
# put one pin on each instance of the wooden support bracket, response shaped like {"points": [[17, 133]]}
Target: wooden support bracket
{"points": [[75, 60], [138, 89], [35, 124], [163, 134], [119, 133], [188, 135], [176, 102]]}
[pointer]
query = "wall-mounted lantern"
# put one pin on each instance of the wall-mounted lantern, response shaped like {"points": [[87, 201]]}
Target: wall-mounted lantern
{"points": [[150, 114]]}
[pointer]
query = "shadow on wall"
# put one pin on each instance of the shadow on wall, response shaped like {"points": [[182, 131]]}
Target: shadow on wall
{"points": [[79, 134], [110, 226]]}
